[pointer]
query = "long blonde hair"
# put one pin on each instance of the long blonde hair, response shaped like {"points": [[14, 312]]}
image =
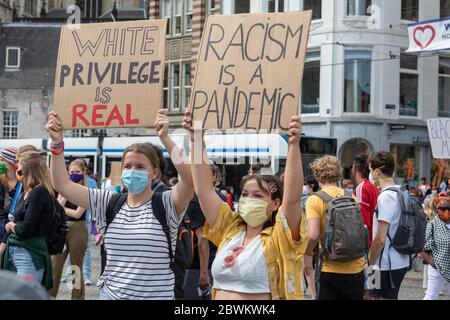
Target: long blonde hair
{"points": [[35, 171]]}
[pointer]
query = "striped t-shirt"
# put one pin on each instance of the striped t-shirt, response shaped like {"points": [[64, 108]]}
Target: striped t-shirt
{"points": [[137, 264]]}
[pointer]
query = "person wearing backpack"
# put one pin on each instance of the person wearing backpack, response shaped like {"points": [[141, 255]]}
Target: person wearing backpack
{"points": [[181, 251], [437, 249], [140, 227], [76, 238], [25, 245], [341, 261], [392, 264]]}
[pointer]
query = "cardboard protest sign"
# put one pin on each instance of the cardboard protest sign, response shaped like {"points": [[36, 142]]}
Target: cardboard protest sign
{"points": [[249, 71], [116, 173], [439, 134], [110, 74]]}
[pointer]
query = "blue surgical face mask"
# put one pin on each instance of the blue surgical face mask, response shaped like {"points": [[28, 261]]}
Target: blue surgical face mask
{"points": [[135, 180]]}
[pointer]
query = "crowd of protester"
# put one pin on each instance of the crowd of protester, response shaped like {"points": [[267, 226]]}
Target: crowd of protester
{"points": [[189, 238]]}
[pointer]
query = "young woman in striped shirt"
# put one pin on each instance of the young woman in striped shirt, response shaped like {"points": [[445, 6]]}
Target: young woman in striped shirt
{"points": [[138, 264]]}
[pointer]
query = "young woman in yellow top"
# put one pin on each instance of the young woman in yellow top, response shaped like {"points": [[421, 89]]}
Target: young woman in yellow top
{"points": [[260, 252]]}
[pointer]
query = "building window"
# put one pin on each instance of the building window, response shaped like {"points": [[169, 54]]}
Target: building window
{"points": [[165, 13], [315, 6], [13, 57], [79, 133], [444, 87], [29, 7], [241, 6], [211, 9], [10, 124], [410, 10], [188, 16], [406, 164], [166, 87], [358, 7], [51, 4], [445, 8], [91, 8], [409, 82], [311, 83], [177, 16], [176, 85], [186, 84], [275, 6], [357, 81]]}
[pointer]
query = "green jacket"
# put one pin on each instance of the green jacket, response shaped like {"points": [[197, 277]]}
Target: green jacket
{"points": [[37, 248]]}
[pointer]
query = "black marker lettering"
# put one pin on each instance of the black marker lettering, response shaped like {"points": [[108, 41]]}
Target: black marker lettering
{"points": [[210, 42]]}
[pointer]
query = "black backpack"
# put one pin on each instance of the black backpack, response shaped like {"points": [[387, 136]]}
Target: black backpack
{"points": [[114, 206], [56, 236]]}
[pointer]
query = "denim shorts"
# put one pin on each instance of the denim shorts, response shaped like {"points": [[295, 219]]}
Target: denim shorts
{"points": [[20, 262]]}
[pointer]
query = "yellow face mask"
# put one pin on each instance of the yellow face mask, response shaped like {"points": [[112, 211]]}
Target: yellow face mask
{"points": [[253, 211]]}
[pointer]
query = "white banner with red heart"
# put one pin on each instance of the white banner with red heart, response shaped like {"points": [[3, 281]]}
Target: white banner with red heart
{"points": [[432, 35]]}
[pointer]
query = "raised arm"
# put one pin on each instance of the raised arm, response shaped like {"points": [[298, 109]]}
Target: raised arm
{"points": [[201, 173], [73, 192], [184, 189], [293, 179]]}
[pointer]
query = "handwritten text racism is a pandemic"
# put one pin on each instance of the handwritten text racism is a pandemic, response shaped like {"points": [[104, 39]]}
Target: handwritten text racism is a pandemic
{"points": [[249, 70]]}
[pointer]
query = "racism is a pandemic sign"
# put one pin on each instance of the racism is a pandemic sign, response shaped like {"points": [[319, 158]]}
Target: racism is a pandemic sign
{"points": [[249, 71]]}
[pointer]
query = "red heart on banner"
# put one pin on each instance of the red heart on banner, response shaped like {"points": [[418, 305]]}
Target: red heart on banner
{"points": [[422, 29]]}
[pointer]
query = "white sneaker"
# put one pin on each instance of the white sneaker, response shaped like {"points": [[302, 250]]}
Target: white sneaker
{"points": [[88, 282]]}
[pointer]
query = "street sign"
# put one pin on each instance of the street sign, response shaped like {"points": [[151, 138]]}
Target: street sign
{"points": [[397, 127], [390, 106]]}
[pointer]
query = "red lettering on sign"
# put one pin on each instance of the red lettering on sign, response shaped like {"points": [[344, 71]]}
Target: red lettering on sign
{"points": [[129, 120], [96, 115], [77, 112], [115, 115]]}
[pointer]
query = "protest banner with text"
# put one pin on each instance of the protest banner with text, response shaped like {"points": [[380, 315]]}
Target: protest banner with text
{"points": [[439, 134], [249, 71], [110, 74]]}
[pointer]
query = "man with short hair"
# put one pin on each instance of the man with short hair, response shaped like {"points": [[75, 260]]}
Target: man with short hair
{"points": [[392, 264], [366, 193]]}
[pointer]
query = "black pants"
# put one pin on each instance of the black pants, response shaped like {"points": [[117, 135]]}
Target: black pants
{"points": [[388, 290], [338, 286]]}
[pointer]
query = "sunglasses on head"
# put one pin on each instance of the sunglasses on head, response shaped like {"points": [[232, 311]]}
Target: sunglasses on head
{"points": [[444, 208]]}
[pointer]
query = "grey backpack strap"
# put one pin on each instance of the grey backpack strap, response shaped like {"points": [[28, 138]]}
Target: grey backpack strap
{"points": [[324, 196]]}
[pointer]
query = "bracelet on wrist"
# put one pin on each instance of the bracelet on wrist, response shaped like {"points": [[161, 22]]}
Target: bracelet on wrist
{"points": [[57, 149]]}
